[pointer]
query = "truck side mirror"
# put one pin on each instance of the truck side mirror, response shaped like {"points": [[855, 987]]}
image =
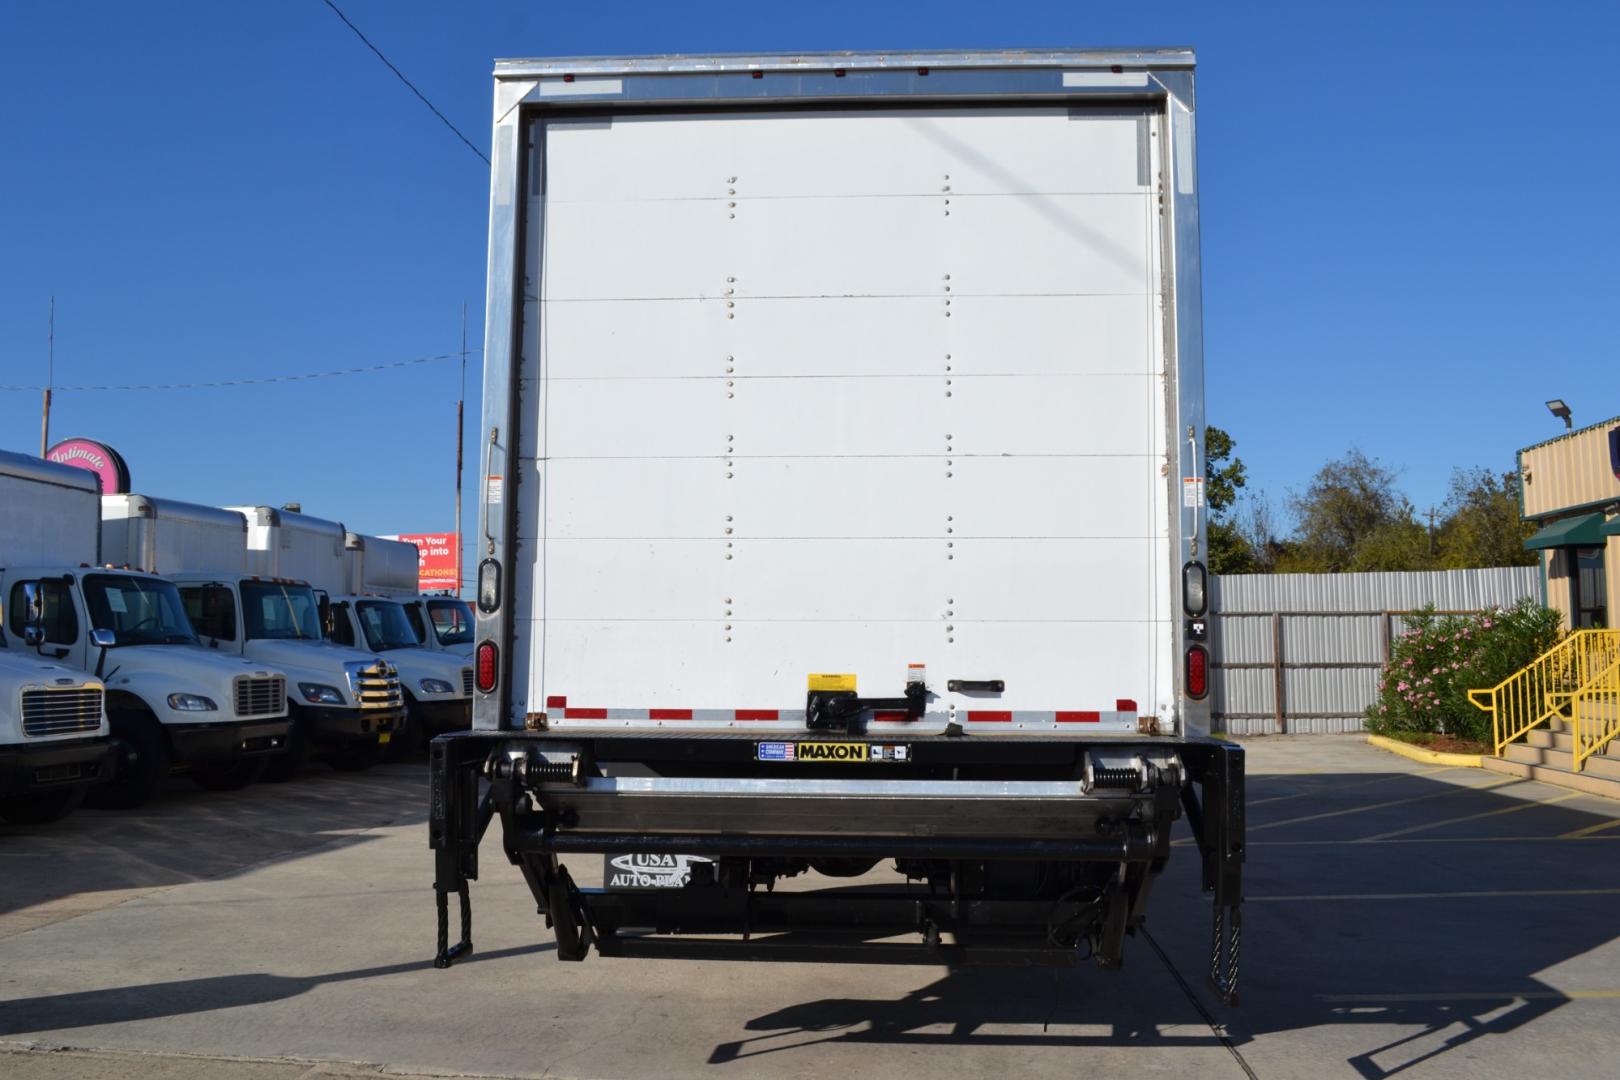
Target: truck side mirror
{"points": [[103, 639], [33, 597]]}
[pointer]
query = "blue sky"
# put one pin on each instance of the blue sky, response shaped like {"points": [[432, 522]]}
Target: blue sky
{"points": [[1408, 218]]}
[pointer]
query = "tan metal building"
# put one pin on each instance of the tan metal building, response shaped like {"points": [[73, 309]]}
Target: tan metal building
{"points": [[1571, 491]]}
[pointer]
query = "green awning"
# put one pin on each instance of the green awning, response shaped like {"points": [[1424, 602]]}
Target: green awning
{"points": [[1583, 531]]}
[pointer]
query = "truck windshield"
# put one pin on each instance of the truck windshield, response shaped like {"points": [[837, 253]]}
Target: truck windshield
{"points": [[280, 612], [452, 621], [138, 610], [384, 624]]}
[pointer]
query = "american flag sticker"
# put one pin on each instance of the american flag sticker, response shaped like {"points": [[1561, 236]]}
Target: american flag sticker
{"points": [[775, 751]]}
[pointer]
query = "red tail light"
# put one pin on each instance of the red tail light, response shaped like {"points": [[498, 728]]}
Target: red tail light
{"points": [[488, 665], [1197, 671]]}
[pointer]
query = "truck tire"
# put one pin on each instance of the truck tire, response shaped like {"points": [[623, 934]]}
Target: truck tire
{"points": [[290, 764], [144, 767], [232, 777], [44, 808]]}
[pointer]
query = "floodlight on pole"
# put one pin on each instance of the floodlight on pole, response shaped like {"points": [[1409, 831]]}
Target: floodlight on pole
{"points": [[1557, 407]]}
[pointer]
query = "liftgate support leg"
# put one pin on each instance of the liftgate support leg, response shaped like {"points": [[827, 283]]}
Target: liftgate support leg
{"points": [[1221, 842], [456, 823]]}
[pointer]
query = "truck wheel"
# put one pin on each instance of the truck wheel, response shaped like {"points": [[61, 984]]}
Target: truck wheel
{"points": [[44, 808], [357, 758], [233, 777], [143, 769], [291, 763]]}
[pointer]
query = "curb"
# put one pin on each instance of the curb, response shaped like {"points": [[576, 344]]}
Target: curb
{"points": [[1428, 757]]}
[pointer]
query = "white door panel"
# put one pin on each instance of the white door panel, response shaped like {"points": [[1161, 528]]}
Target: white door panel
{"points": [[637, 418], [810, 417], [931, 419], [1042, 245], [613, 580], [838, 580], [617, 339], [631, 498], [1011, 497], [753, 155], [1053, 335], [1050, 580], [829, 497], [1053, 414]]}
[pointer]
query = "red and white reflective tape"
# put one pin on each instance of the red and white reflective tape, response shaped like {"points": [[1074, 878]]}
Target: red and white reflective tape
{"points": [[1123, 717]]}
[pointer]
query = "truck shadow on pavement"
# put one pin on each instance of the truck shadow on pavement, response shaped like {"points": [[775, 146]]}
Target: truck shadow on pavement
{"points": [[98, 858], [1415, 914], [153, 1001]]}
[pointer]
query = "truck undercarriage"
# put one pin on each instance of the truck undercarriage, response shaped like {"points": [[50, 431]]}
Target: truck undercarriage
{"points": [[1019, 849]]}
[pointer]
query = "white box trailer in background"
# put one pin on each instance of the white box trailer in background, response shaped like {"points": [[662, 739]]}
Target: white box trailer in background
{"points": [[437, 686], [345, 703], [169, 701], [843, 500], [385, 566], [376, 564]]}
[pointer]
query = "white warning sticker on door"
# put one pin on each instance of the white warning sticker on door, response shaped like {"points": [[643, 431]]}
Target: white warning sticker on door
{"points": [[1192, 491]]}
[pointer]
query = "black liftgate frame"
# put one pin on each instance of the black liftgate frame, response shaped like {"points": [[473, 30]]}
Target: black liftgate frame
{"points": [[474, 776]]}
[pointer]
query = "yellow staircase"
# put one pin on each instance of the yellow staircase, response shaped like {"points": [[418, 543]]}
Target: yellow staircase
{"points": [[1557, 718]]}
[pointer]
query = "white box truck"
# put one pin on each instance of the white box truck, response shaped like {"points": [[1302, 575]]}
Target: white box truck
{"points": [[345, 703], [54, 740], [384, 566], [437, 687], [171, 702], [842, 505]]}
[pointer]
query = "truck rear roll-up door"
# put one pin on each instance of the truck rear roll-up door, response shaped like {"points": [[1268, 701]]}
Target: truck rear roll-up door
{"points": [[848, 391]]}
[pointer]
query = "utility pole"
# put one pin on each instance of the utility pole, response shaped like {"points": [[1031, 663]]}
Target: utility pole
{"points": [[1431, 531], [50, 378], [461, 401]]}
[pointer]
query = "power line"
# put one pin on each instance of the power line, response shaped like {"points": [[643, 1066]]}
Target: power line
{"points": [[336, 373], [423, 97]]}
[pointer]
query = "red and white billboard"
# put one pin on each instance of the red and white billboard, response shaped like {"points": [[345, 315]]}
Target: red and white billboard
{"points": [[438, 563]]}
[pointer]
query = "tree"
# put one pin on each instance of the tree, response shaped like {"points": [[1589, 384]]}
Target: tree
{"points": [[1482, 526], [1227, 549], [1352, 517]]}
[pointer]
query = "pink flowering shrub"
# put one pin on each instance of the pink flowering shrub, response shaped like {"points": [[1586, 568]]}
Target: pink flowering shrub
{"points": [[1437, 659]]}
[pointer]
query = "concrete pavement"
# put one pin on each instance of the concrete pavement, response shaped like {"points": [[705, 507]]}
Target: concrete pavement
{"points": [[1437, 922]]}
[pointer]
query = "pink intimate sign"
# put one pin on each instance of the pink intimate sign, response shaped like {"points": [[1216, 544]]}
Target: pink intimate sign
{"points": [[95, 457]]}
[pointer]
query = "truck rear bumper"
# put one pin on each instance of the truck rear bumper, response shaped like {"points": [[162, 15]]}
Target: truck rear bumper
{"points": [[1030, 850], [200, 744], [28, 770]]}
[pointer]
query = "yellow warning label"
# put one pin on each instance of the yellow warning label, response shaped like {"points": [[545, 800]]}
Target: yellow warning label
{"points": [[833, 682], [831, 751]]}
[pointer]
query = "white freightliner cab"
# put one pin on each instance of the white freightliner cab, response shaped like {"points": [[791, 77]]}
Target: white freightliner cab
{"points": [[54, 740], [437, 687], [381, 565], [345, 703], [170, 701]]}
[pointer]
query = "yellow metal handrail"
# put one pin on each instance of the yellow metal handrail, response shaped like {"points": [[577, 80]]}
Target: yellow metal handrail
{"points": [[1595, 710], [1547, 685]]}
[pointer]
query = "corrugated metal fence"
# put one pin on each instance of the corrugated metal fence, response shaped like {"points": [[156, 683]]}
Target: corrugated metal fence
{"points": [[1300, 653]]}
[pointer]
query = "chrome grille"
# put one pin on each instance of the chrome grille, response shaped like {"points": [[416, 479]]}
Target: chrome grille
{"points": [[258, 695], [377, 687], [61, 712], [466, 681]]}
